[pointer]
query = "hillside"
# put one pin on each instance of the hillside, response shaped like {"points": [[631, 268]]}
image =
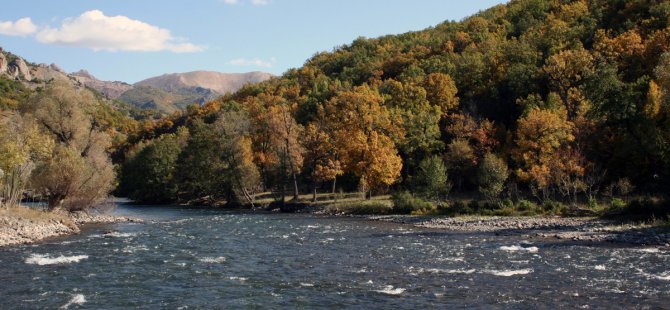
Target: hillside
{"points": [[560, 100]]}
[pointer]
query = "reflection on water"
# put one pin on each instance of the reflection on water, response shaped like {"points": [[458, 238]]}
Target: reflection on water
{"points": [[199, 258]]}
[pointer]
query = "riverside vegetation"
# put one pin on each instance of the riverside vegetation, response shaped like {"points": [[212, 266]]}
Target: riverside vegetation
{"points": [[532, 107]]}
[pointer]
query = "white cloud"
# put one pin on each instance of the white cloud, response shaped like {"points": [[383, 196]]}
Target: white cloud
{"points": [[94, 30], [21, 27], [253, 62], [230, 1]]}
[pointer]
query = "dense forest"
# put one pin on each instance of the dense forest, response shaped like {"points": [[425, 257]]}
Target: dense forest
{"points": [[535, 100]]}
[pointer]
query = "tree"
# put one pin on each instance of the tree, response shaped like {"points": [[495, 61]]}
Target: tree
{"points": [[148, 175], [491, 176], [237, 155], [441, 91], [79, 174], [284, 135], [218, 161], [539, 137], [320, 155], [567, 71], [22, 146], [432, 178], [364, 132]]}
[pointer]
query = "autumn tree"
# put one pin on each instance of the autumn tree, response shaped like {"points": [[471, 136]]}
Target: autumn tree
{"points": [[22, 145], [567, 71], [539, 137], [79, 174], [285, 133], [362, 130], [320, 155], [441, 91]]}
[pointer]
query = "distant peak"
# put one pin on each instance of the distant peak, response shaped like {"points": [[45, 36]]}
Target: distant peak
{"points": [[84, 73]]}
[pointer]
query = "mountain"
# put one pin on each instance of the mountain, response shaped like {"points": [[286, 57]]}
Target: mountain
{"points": [[172, 92], [112, 90], [219, 82]]}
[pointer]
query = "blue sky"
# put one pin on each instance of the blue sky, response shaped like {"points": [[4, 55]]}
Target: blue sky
{"points": [[130, 40]]}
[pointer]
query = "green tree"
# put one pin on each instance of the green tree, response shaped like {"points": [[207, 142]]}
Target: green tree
{"points": [[432, 178], [148, 175], [491, 176]]}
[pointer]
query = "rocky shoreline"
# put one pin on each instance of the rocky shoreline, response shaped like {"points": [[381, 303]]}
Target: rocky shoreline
{"points": [[584, 230], [16, 229]]}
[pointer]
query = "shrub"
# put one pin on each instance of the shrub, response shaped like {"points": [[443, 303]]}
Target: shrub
{"points": [[363, 207], [554, 207], [405, 203], [618, 204]]}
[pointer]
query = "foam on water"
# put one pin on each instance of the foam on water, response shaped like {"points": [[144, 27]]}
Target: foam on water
{"points": [[517, 248], [390, 290], [77, 299], [41, 259], [213, 260], [509, 273], [600, 267], [650, 250]]}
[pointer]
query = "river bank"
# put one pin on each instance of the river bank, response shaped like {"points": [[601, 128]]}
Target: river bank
{"points": [[23, 225], [587, 229]]}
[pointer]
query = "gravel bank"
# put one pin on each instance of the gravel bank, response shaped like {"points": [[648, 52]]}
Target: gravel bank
{"points": [[588, 230], [21, 229]]}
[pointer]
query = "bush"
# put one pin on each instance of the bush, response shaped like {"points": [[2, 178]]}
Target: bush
{"points": [[363, 207], [405, 203], [554, 207], [525, 205], [618, 204]]}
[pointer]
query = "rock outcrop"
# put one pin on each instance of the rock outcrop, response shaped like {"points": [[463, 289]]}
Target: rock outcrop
{"points": [[3, 63], [18, 69]]}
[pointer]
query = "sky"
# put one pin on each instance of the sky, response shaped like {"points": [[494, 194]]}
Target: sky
{"points": [[131, 40]]}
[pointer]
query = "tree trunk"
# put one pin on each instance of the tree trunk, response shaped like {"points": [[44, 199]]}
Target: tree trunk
{"points": [[334, 188], [295, 187]]}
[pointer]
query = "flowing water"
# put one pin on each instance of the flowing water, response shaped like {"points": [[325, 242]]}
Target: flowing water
{"points": [[186, 258]]}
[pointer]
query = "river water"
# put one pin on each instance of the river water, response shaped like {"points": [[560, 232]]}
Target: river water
{"points": [[188, 258]]}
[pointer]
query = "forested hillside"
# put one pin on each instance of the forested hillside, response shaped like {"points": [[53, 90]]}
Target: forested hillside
{"points": [[536, 99]]}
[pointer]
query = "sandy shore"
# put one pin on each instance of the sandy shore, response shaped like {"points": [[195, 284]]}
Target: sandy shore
{"points": [[588, 230], [28, 226]]}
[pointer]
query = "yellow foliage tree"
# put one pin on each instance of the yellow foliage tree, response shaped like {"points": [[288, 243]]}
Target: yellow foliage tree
{"points": [[540, 136]]}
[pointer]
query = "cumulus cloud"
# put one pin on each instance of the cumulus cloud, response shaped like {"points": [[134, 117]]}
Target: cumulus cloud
{"points": [[253, 62], [94, 30], [21, 27]]}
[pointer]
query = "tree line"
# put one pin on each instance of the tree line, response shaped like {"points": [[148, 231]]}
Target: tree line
{"points": [[538, 99]]}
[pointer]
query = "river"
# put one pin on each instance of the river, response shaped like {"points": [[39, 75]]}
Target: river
{"points": [[192, 258]]}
